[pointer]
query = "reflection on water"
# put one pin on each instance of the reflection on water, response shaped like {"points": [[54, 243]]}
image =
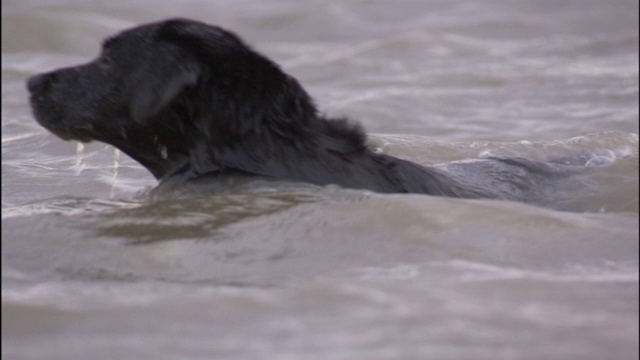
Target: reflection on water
{"points": [[195, 218]]}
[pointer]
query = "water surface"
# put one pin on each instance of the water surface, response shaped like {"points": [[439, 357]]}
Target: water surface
{"points": [[98, 263]]}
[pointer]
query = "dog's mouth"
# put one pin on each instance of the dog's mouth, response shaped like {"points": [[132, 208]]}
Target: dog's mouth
{"points": [[69, 136], [52, 120], [65, 132]]}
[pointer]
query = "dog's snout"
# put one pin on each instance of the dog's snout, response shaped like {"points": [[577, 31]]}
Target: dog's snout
{"points": [[36, 82]]}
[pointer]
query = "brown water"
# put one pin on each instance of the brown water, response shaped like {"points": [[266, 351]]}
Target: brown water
{"points": [[96, 264]]}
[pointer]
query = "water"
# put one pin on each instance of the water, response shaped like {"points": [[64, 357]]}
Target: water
{"points": [[98, 263]]}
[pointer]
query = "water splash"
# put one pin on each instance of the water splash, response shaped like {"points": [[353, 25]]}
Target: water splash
{"points": [[116, 167], [80, 164], [163, 152]]}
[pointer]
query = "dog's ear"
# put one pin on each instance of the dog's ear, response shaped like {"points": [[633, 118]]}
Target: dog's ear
{"points": [[158, 84]]}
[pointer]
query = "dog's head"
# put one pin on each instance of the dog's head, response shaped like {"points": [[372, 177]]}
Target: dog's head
{"points": [[165, 91]]}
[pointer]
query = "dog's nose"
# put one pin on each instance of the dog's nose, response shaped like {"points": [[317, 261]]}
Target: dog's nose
{"points": [[35, 82]]}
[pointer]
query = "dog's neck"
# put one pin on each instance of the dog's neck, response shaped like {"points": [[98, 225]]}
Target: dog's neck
{"points": [[281, 150]]}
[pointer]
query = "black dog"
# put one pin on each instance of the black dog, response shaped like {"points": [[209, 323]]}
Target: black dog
{"points": [[185, 98]]}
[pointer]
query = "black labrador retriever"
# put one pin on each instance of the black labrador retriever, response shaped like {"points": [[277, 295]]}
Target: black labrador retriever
{"points": [[185, 99]]}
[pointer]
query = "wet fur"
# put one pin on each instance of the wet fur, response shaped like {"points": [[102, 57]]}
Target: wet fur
{"points": [[185, 99]]}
